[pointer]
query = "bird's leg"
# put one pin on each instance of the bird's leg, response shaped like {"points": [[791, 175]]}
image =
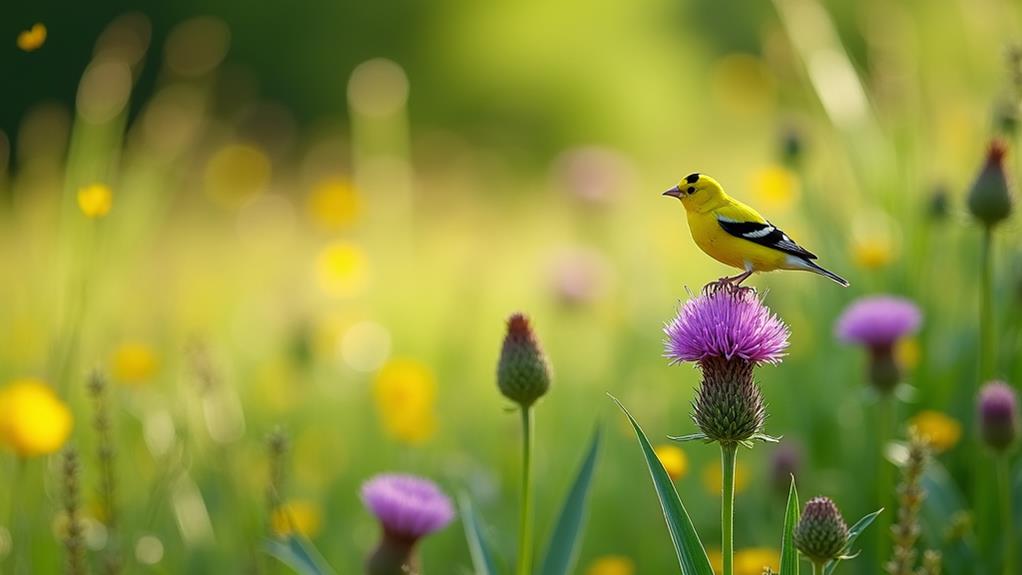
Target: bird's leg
{"points": [[735, 280], [738, 279]]}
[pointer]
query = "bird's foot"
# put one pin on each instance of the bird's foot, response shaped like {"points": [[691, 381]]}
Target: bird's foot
{"points": [[731, 283]]}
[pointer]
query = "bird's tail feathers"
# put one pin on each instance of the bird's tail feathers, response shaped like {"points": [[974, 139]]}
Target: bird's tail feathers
{"points": [[813, 267]]}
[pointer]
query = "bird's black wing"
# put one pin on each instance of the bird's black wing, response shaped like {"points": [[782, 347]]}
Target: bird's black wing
{"points": [[765, 234]]}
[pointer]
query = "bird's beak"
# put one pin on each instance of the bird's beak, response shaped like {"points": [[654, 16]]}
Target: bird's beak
{"points": [[674, 192]]}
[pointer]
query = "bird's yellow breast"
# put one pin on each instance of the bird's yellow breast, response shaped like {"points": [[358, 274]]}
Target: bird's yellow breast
{"points": [[730, 250]]}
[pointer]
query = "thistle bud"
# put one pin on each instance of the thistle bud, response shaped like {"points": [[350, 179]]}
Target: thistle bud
{"points": [[990, 198], [523, 375], [938, 206], [792, 147], [998, 415], [1006, 118], [821, 532], [729, 406]]}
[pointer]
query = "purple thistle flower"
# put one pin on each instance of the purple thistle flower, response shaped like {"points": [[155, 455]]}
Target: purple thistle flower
{"points": [[878, 321], [408, 506], [726, 322], [998, 415], [728, 331]]}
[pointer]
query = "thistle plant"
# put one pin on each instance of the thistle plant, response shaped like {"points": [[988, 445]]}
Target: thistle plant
{"points": [[408, 509], [990, 201], [821, 532], [999, 428], [878, 323], [523, 376], [727, 331]]}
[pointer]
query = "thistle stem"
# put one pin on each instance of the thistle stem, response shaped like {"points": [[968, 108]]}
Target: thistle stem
{"points": [[525, 520], [885, 474], [1008, 521], [987, 356], [728, 460]]}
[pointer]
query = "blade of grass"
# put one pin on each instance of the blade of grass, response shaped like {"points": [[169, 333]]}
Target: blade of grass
{"points": [[789, 555], [562, 550], [691, 555], [298, 554], [478, 548]]}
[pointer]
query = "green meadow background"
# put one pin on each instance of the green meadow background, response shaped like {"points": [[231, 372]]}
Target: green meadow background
{"points": [[305, 195]]}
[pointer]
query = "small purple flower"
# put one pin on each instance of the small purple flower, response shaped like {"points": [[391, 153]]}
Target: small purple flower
{"points": [[726, 322], [409, 507], [998, 415], [878, 321]]}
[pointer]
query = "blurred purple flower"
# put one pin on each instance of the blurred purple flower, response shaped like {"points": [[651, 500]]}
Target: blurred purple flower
{"points": [[407, 506], [593, 174], [726, 322], [878, 321], [577, 276], [785, 461], [998, 415]]}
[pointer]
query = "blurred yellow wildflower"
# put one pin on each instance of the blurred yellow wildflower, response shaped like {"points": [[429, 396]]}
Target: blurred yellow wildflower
{"points": [[716, 559], [875, 239], [341, 269], [405, 393], [940, 430], [776, 188], [95, 200], [297, 516], [133, 363], [673, 460], [907, 352], [611, 565], [752, 560], [33, 420], [713, 478], [872, 253], [237, 172], [333, 204], [32, 39]]}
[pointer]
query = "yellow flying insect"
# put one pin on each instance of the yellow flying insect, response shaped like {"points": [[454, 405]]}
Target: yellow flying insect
{"points": [[735, 234]]}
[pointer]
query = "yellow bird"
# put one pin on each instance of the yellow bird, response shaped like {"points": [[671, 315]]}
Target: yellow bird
{"points": [[735, 234]]}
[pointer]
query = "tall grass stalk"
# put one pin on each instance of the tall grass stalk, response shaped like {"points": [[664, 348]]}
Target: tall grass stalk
{"points": [[73, 543], [525, 517], [728, 460], [105, 456]]}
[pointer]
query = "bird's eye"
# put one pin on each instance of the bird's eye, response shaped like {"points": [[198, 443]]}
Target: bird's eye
{"points": [[691, 189]]}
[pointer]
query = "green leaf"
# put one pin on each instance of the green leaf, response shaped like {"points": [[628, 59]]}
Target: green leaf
{"points": [[691, 555], [299, 554], [789, 555], [562, 551], [853, 534], [482, 557]]}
